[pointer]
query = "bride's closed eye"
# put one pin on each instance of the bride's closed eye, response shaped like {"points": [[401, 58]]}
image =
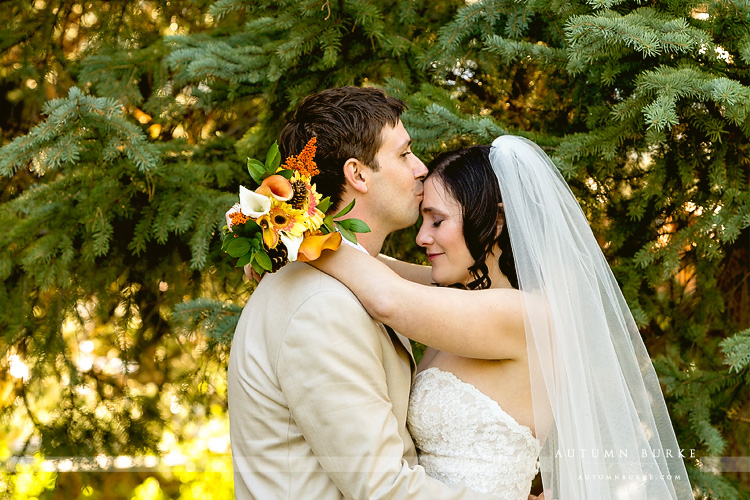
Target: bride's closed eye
{"points": [[437, 223], [405, 153]]}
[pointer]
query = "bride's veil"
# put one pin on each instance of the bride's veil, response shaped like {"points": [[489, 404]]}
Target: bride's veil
{"points": [[599, 409]]}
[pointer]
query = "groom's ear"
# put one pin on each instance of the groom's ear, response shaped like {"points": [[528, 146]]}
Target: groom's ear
{"points": [[356, 174]]}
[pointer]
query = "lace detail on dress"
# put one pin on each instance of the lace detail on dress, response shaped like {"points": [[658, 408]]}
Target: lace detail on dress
{"points": [[462, 435]]}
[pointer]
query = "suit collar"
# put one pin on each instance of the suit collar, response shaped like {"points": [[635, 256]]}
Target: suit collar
{"points": [[404, 343]]}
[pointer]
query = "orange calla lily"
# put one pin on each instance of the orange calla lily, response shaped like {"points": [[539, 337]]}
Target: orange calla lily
{"points": [[270, 235], [276, 186], [312, 246]]}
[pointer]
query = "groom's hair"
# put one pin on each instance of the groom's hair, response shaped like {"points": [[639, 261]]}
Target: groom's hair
{"points": [[348, 123]]}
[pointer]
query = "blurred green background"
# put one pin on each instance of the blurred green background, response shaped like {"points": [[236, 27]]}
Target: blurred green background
{"points": [[124, 132]]}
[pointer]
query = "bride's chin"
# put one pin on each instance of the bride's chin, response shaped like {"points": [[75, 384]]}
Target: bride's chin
{"points": [[437, 281]]}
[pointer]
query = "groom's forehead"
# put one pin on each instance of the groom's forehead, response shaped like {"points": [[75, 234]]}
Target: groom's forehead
{"points": [[394, 138]]}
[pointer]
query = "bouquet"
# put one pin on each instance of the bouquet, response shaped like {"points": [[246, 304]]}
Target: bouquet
{"points": [[284, 219]]}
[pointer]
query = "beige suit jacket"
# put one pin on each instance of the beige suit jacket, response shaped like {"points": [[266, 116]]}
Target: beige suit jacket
{"points": [[318, 393]]}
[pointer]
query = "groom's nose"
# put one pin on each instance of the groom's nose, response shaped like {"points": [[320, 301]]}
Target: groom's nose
{"points": [[419, 169]]}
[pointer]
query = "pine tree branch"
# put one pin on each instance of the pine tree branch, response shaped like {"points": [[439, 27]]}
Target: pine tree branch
{"points": [[21, 38]]}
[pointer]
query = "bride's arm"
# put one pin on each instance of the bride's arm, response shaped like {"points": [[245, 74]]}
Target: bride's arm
{"points": [[407, 270], [483, 324]]}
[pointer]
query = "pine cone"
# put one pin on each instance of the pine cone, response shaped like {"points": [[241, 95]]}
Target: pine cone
{"points": [[278, 257], [300, 195]]}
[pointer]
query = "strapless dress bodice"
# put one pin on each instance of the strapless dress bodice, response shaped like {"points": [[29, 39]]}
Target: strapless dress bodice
{"points": [[462, 435]]}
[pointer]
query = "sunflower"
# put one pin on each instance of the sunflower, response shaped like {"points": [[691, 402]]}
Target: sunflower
{"points": [[280, 219]]}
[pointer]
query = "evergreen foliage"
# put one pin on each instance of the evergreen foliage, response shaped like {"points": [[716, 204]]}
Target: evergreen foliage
{"points": [[650, 113], [105, 229], [124, 140]]}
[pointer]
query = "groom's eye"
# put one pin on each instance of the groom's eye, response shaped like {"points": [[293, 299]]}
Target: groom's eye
{"points": [[437, 223]]}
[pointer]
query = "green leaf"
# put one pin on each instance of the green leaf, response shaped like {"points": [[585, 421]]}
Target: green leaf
{"points": [[328, 223], [355, 225], [228, 238], [251, 227], [263, 260], [256, 166], [346, 210], [347, 234], [256, 169], [273, 157], [244, 260], [286, 174], [239, 230], [238, 247], [256, 266], [324, 204]]}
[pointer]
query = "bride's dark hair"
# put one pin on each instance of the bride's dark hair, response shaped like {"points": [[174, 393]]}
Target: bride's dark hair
{"points": [[467, 175]]}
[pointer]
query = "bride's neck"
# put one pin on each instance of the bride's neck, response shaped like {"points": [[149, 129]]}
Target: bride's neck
{"points": [[497, 277]]}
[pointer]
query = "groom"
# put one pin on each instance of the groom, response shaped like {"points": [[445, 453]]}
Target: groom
{"points": [[318, 390]]}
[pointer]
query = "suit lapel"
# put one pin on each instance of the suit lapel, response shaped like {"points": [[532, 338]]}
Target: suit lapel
{"points": [[399, 340]]}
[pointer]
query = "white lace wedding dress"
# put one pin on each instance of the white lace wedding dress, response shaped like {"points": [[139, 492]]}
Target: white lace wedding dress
{"points": [[464, 436]]}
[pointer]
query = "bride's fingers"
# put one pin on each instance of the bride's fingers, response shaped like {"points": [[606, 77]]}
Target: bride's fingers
{"points": [[251, 274]]}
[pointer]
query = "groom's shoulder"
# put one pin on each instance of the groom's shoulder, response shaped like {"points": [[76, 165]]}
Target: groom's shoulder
{"points": [[297, 282], [301, 294]]}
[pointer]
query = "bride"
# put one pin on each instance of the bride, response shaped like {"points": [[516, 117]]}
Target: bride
{"points": [[534, 358]]}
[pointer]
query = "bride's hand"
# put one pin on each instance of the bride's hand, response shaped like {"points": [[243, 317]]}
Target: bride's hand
{"points": [[412, 272], [251, 274]]}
